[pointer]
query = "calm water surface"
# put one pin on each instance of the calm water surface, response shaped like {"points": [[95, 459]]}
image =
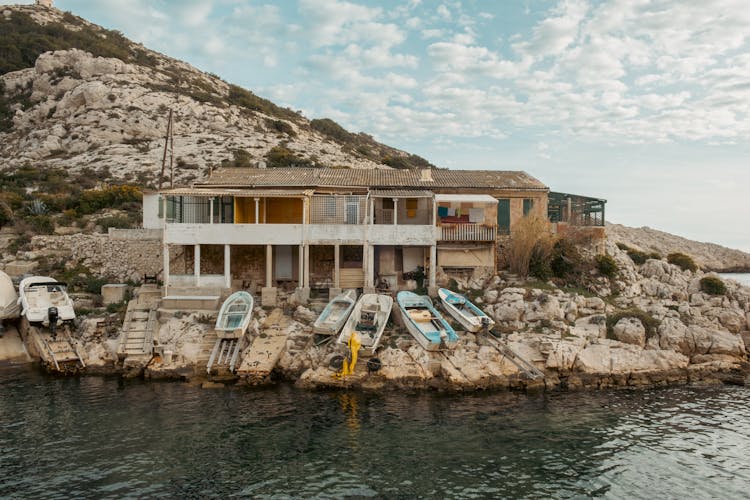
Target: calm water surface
{"points": [[743, 278], [102, 437]]}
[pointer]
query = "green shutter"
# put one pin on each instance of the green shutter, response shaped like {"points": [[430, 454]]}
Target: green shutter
{"points": [[528, 204], [503, 216]]}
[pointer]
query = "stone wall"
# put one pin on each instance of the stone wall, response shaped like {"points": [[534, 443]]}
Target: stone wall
{"points": [[121, 259]]}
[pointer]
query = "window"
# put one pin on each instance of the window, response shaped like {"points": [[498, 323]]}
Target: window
{"points": [[411, 208], [387, 203], [503, 216], [352, 210], [528, 206], [329, 206]]}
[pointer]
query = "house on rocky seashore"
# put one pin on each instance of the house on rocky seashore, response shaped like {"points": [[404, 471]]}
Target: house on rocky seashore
{"points": [[328, 228]]}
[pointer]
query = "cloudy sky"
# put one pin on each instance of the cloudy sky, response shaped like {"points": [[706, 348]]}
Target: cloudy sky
{"points": [[642, 102]]}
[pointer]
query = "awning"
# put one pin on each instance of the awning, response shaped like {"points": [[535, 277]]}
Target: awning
{"points": [[238, 193], [466, 198], [400, 193]]}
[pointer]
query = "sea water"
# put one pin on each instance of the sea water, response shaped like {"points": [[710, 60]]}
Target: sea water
{"points": [[743, 278], [95, 437]]}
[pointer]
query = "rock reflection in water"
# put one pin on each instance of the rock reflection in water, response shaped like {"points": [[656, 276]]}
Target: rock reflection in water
{"points": [[103, 437]]}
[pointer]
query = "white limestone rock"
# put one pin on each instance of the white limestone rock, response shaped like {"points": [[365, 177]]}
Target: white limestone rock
{"points": [[545, 307], [590, 327], [630, 331]]}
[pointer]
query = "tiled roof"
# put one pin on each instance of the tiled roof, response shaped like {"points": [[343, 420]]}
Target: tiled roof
{"points": [[245, 193], [370, 178]]}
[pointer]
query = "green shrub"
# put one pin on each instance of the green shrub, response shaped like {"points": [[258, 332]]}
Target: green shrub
{"points": [[246, 99], [713, 286], [566, 259], [637, 256], [606, 265], [331, 129], [116, 221], [241, 159], [19, 243], [280, 156], [41, 224], [539, 263], [684, 262], [649, 322], [654, 255], [623, 247], [281, 126]]}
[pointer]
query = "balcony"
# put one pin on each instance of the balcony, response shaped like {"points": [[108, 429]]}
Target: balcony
{"points": [[296, 234], [467, 232], [233, 234]]}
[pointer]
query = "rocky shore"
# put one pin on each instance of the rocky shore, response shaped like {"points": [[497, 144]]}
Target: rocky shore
{"points": [[659, 328], [709, 256]]}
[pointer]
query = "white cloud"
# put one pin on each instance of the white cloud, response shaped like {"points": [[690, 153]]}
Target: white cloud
{"points": [[553, 34]]}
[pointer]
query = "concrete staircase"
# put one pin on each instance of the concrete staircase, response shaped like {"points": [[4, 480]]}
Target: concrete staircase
{"points": [[136, 341]]}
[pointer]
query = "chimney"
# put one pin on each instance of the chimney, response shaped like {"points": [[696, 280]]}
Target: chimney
{"points": [[426, 175], [260, 164]]}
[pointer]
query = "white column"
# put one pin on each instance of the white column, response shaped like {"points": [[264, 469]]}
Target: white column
{"points": [[227, 268], [269, 268], [395, 211], [434, 212], [257, 205], [336, 266], [210, 210], [305, 209], [301, 266], [307, 266], [165, 255], [164, 208], [197, 264], [372, 210], [369, 278], [433, 264]]}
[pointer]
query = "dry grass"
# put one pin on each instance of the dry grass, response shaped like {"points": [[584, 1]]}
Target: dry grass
{"points": [[530, 236]]}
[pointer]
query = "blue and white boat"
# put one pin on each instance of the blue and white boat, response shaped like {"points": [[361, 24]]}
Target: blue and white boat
{"points": [[425, 323], [335, 314], [470, 316], [234, 315]]}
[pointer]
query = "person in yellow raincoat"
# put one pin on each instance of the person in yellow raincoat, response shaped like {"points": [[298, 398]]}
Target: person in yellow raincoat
{"points": [[354, 344]]}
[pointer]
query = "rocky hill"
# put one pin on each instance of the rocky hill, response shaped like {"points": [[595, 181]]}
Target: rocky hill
{"points": [[708, 256], [74, 95]]}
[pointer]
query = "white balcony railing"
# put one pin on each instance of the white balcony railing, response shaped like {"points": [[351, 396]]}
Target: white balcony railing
{"points": [[296, 234], [468, 232]]}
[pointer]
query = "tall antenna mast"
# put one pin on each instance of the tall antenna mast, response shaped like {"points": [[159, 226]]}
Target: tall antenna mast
{"points": [[168, 144]]}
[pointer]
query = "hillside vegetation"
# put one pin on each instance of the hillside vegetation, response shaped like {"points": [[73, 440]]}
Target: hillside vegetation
{"points": [[76, 96]]}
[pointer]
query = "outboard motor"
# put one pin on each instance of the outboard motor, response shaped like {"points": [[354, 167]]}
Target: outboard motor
{"points": [[53, 316]]}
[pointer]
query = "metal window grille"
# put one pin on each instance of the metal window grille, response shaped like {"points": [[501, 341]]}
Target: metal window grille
{"points": [[188, 209], [338, 209]]}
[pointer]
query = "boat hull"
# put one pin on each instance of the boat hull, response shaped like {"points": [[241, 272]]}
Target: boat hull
{"points": [[38, 294], [235, 315], [425, 323], [335, 314], [469, 316], [379, 308]]}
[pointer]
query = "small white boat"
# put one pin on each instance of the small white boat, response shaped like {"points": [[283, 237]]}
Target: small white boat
{"points": [[368, 319], [470, 316], [425, 323], [8, 298], [235, 315], [335, 314], [45, 301]]}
